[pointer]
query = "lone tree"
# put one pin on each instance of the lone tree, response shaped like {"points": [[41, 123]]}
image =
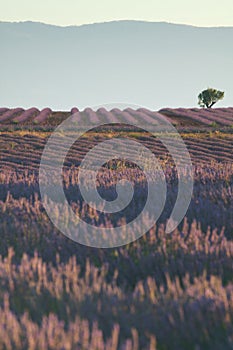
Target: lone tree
{"points": [[207, 98]]}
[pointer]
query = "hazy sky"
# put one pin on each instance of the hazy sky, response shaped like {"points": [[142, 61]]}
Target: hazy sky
{"points": [[70, 12]]}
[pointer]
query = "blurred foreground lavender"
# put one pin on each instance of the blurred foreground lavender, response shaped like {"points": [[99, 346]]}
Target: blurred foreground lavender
{"points": [[161, 292]]}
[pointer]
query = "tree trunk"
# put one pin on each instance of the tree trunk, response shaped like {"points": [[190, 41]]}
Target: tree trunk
{"points": [[212, 104]]}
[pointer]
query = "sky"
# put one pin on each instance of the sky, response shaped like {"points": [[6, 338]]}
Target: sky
{"points": [[205, 13]]}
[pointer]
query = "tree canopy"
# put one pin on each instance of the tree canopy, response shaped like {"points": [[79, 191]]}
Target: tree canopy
{"points": [[207, 98]]}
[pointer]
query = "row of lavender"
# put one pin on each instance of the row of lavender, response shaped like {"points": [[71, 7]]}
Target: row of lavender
{"points": [[220, 116], [24, 151], [212, 202], [19, 115], [208, 116]]}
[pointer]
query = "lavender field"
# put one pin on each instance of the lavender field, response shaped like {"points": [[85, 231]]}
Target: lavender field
{"points": [[163, 291]]}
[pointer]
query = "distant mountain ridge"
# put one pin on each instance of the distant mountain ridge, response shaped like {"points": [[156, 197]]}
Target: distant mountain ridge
{"points": [[111, 21], [147, 64]]}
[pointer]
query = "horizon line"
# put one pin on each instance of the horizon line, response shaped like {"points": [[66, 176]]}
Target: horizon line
{"points": [[114, 21]]}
